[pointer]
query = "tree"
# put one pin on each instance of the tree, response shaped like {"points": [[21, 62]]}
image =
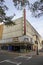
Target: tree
{"points": [[3, 18], [21, 3], [37, 8]]}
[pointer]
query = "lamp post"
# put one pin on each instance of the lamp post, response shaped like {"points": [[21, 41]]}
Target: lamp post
{"points": [[36, 42], [37, 47]]}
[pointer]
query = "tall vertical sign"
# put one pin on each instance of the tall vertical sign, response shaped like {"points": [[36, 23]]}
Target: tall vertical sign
{"points": [[24, 22]]}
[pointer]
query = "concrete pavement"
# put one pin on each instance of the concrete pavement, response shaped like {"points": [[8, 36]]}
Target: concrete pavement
{"points": [[31, 53], [10, 58]]}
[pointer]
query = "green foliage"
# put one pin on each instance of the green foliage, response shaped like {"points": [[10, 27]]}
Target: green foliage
{"points": [[1, 0], [41, 0], [37, 8], [3, 18], [22, 3], [9, 22]]}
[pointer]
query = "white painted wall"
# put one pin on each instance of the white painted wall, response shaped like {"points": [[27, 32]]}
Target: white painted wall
{"points": [[13, 31]]}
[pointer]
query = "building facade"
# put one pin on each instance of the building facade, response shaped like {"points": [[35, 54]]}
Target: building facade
{"points": [[19, 37]]}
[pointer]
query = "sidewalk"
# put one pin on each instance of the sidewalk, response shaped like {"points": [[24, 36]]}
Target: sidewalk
{"points": [[31, 53]]}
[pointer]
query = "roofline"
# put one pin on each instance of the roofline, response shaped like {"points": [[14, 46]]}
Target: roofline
{"points": [[30, 24]]}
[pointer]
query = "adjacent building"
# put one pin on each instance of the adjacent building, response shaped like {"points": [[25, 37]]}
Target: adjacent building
{"points": [[19, 37]]}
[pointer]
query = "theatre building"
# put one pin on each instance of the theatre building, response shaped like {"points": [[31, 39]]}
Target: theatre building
{"points": [[19, 37]]}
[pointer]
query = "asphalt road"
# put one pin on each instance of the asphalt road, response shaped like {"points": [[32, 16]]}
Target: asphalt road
{"points": [[6, 59]]}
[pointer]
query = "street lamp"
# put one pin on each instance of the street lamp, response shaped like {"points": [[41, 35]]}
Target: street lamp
{"points": [[36, 42]]}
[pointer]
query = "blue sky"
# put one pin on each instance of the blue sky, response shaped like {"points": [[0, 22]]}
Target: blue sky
{"points": [[36, 22]]}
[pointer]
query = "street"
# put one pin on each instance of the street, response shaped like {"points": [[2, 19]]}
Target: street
{"points": [[6, 59]]}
